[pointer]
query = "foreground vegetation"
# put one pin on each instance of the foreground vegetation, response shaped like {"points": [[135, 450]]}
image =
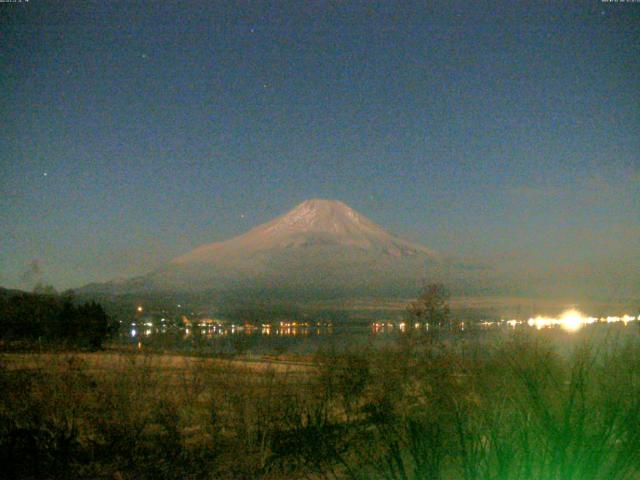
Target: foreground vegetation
{"points": [[424, 408]]}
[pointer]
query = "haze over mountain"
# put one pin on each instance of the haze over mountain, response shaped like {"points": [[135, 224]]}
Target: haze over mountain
{"points": [[320, 245]]}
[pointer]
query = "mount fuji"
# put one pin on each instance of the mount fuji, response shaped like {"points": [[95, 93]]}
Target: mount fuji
{"points": [[319, 246]]}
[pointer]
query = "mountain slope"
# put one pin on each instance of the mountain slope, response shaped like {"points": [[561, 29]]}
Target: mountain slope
{"points": [[320, 244], [312, 223]]}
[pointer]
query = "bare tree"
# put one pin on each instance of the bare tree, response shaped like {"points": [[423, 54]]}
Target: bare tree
{"points": [[432, 307]]}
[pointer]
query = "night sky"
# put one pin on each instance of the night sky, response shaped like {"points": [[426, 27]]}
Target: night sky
{"points": [[497, 132]]}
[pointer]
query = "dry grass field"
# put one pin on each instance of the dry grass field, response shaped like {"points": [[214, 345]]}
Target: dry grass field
{"points": [[423, 407]]}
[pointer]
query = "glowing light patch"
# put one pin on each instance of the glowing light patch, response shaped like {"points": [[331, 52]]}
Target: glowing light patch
{"points": [[571, 320]]}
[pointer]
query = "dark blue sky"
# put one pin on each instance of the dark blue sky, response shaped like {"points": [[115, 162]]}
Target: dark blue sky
{"points": [[497, 131]]}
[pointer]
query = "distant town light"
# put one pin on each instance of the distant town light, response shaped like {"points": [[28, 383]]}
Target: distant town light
{"points": [[570, 320], [139, 308]]}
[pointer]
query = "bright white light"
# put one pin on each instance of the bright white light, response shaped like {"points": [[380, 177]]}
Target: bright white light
{"points": [[572, 320], [133, 332]]}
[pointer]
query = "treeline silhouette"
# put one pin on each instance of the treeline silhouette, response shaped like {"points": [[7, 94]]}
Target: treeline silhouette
{"points": [[53, 319]]}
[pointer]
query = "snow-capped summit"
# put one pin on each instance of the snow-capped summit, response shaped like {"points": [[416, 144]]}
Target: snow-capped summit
{"points": [[313, 222], [321, 215]]}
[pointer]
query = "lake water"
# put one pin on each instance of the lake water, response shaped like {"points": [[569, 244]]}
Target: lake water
{"points": [[305, 338]]}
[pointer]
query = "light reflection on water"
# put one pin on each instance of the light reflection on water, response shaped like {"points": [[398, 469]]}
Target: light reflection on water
{"points": [[570, 320], [220, 331]]}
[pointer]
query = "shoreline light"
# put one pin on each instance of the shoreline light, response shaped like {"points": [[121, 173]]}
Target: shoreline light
{"points": [[573, 320], [570, 320]]}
